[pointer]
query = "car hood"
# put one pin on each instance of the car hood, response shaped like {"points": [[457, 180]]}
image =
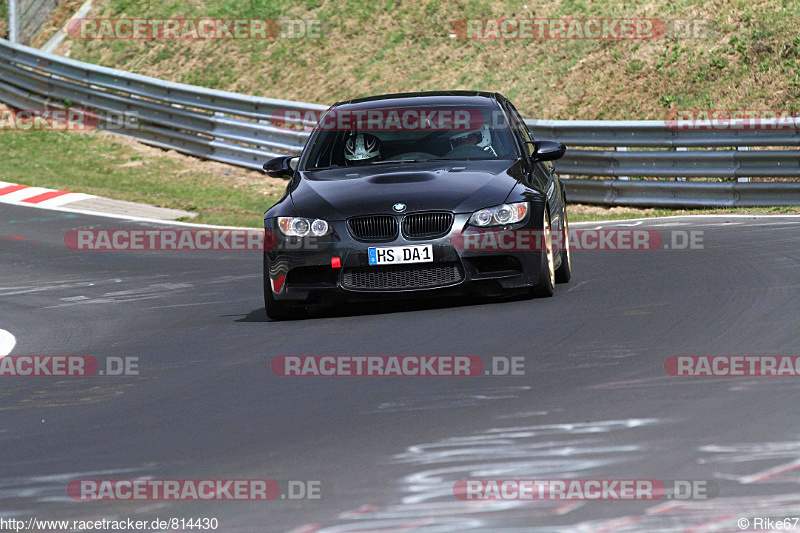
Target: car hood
{"points": [[458, 186]]}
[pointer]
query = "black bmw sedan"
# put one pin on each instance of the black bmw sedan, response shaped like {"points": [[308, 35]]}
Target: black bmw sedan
{"points": [[415, 194]]}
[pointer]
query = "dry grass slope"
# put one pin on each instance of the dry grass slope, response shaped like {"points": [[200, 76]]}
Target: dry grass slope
{"points": [[751, 62]]}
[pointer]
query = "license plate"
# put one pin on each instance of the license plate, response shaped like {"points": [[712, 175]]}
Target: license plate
{"points": [[394, 255]]}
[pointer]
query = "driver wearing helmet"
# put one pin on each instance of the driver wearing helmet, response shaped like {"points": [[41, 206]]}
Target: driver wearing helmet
{"points": [[362, 148], [481, 138]]}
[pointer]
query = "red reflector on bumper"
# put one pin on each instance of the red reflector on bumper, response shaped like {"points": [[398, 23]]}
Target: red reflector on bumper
{"points": [[336, 262]]}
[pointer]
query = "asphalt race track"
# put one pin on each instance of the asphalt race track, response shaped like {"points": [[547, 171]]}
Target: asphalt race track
{"points": [[595, 401]]}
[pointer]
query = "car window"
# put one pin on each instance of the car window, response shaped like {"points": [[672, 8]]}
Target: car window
{"points": [[482, 137], [518, 124]]}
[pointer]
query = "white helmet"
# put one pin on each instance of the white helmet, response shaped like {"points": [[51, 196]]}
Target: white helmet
{"points": [[481, 137], [362, 146]]}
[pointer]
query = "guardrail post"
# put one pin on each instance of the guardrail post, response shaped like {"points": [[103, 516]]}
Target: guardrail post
{"points": [[681, 149], [744, 149], [13, 21], [622, 149]]}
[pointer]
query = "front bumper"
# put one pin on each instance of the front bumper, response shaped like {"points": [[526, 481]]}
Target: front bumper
{"points": [[300, 269]]}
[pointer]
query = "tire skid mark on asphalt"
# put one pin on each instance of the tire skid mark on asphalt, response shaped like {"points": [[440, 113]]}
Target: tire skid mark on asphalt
{"points": [[150, 292], [200, 303], [51, 488], [53, 285], [748, 452], [538, 451], [448, 400], [527, 451], [717, 514], [723, 224], [731, 383], [576, 286], [669, 225], [65, 393], [594, 355], [722, 513]]}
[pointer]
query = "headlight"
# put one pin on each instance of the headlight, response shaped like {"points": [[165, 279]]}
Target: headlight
{"points": [[500, 215], [301, 227]]}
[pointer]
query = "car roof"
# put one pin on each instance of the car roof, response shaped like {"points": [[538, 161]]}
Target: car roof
{"points": [[429, 98]]}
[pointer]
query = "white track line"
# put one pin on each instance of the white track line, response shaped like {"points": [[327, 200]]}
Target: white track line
{"points": [[7, 342]]}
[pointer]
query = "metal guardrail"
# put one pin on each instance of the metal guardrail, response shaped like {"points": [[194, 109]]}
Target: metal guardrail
{"points": [[682, 193], [677, 155], [219, 125], [662, 133], [236, 129], [690, 164]]}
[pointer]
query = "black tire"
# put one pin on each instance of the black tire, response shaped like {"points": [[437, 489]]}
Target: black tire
{"points": [[275, 310], [564, 272], [545, 287]]}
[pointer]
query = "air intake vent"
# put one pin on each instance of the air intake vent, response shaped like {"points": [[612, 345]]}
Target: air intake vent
{"points": [[401, 277], [373, 228], [427, 225]]}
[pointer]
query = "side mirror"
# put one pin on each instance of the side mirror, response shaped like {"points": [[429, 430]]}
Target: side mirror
{"points": [[281, 167], [547, 150]]}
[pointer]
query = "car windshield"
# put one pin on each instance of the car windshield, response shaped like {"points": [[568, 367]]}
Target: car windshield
{"points": [[351, 138]]}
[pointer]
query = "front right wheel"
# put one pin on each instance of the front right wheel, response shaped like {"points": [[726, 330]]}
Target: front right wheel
{"points": [[275, 310]]}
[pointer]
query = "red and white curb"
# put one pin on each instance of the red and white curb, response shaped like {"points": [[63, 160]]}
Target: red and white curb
{"points": [[11, 193]]}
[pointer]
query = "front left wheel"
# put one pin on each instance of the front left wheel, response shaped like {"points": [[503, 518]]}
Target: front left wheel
{"points": [[546, 285], [564, 272]]}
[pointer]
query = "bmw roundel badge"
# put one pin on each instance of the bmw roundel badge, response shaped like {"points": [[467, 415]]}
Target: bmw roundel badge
{"points": [[399, 207]]}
